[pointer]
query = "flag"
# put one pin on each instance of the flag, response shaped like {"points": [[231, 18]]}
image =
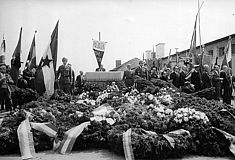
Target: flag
{"points": [[128, 150], [31, 60], [227, 53], [224, 62], [70, 137], [15, 61], [45, 75], [47, 128], [25, 137], [192, 50], [99, 47], [3, 46]]}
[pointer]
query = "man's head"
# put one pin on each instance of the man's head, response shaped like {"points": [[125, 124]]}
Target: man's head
{"points": [[81, 72], [216, 67], [128, 66], [69, 65], [184, 68], [225, 68], [154, 69], [64, 60], [206, 68], [197, 67], [3, 69], [176, 69], [141, 63]]}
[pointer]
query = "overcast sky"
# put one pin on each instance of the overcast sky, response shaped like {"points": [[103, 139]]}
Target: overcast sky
{"points": [[129, 27]]}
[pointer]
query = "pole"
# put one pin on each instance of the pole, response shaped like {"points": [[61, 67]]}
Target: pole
{"points": [[199, 28], [99, 37]]}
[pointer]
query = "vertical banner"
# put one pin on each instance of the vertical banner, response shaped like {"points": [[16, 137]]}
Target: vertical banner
{"points": [[99, 47]]}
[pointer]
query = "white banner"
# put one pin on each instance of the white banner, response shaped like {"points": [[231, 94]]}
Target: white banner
{"points": [[99, 45]]}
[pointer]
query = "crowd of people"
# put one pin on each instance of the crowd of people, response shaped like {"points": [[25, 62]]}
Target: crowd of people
{"points": [[188, 78]]}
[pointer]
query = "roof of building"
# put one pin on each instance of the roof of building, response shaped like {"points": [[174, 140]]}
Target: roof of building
{"points": [[134, 62]]}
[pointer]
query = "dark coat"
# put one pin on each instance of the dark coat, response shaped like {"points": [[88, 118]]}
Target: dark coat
{"points": [[206, 80], [182, 78], [217, 84], [196, 80], [79, 82], [175, 79], [227, 87]]}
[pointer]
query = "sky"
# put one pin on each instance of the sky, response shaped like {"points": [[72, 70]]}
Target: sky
{"points": [[129, 27]]}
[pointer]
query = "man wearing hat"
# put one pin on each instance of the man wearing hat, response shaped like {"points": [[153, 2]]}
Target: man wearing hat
{"points": [[196, 79], [5, 92]]}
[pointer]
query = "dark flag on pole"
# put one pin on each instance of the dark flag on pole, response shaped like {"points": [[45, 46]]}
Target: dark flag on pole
{"points": [[3, 46], [99, 47], [31, 60], [15, 61]]}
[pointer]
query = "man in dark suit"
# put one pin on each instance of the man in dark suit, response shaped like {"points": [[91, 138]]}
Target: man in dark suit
{"points": [[72, 78], [226, 85], [183, 74], [196, 79], [175, 77], [206, 78], [142, 72], [79, 83]]}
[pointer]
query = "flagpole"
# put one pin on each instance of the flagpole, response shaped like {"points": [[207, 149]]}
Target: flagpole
{"points": [[199, 28]]}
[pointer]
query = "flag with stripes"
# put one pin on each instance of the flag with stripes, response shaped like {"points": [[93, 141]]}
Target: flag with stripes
{"points": [[31, 60], [47, 128], [25, 138], [129, 155], [70, 137], [45, 75]]}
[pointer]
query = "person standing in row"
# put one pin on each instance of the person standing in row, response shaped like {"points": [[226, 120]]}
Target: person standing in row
{"points": [[79, 83], [196, 79], [128, 77], [142, 72], [175, 77], [153, 74], [5, 91], [206, 78], [216, 82], [72, 78], [29, 76], [226, 85], [63, 75], [183, 74]]}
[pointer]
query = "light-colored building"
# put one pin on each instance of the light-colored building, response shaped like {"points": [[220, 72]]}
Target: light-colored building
{"points": [[160, 50], [212, 49]]}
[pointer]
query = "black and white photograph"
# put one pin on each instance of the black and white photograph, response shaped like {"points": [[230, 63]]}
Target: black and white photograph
{"points": [[117, 79]]}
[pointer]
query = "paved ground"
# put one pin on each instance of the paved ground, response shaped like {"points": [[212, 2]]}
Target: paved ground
{"points": [[94, 155]]}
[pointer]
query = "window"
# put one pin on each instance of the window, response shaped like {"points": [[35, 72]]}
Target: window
{"points": [[233, 48], [221, 51], [210, 52]]}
